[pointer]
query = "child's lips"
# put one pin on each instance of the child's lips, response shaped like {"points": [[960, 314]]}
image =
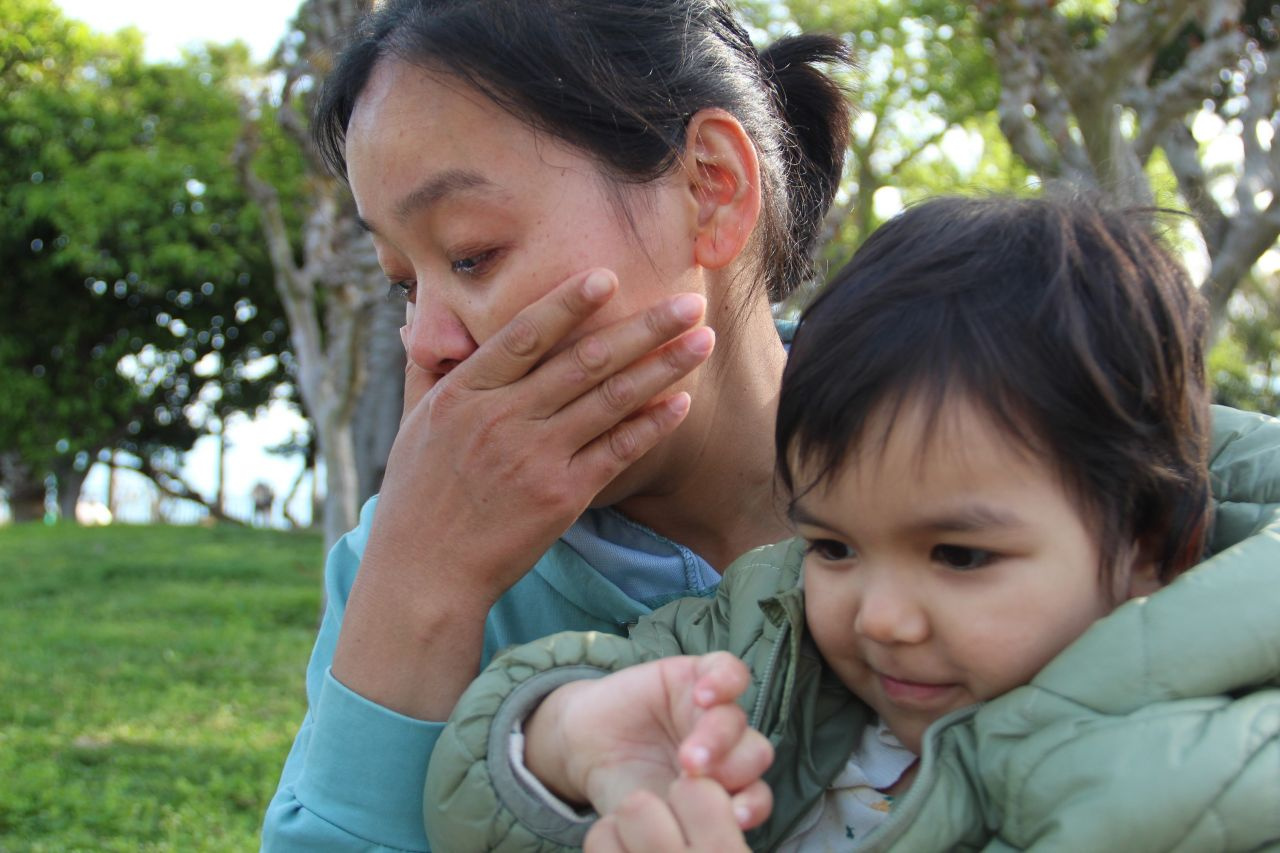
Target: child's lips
{"points": [[915, 693]]}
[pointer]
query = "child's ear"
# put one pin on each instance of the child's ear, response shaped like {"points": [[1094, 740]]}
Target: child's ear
{"points": [[723, 171], [1144, 579], [1143, 572]]}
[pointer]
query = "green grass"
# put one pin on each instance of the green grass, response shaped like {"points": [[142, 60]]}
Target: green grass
{"points": [[151, 679]]}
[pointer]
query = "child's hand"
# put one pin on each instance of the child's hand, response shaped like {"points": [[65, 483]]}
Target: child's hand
{"points": [[640, 728], [697, 815]]}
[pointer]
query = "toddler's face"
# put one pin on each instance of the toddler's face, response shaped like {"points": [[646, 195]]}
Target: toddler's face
{"points": [[946, 567]]}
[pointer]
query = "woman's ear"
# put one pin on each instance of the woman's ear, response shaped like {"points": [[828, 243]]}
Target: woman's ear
{"points": [[724, 180]]}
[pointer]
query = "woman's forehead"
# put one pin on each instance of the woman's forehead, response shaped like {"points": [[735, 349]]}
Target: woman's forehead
{"points": [[417, 137]]}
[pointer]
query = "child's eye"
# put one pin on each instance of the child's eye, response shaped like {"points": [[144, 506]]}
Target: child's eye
{"points": [[961, 558], [829, 549], [476, 264], [402, 291]]}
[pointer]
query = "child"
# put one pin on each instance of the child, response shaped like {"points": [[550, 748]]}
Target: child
{"points": [[993, 431]]}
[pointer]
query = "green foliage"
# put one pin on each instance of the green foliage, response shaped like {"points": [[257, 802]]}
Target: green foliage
{"points": [[137, 282], [925, 91], [1244, 367], [152, 683]]}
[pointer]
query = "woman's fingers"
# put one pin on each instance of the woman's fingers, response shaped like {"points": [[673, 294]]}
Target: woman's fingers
{"points": [[604, 422], [607, 456], [626, 363], [534, 331], [622, 393]]}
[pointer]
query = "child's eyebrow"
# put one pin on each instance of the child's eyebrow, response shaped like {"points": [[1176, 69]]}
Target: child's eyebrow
{"points": [[965, 519], [970, 517], [799, 515]]}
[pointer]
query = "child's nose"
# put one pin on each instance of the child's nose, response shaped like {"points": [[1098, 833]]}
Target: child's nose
{"points": [[889, 610]]}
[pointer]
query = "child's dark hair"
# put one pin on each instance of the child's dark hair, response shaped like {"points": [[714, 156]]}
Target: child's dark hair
{"points": [[620, 79], [1063, 320]]}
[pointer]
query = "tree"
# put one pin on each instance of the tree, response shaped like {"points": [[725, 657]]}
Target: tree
{"points": [[137, 295], [1092, 91], [332, 290], [925, 91]]}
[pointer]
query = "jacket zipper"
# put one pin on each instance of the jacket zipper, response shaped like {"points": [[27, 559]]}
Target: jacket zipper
{"points": [[766, 682], [903, 813]]}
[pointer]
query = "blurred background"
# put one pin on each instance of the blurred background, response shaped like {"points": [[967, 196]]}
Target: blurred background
{"points": [[192, 317], [200, 376]]}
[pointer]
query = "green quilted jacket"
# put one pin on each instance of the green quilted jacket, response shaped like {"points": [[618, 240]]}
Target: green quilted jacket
{"points": [[1158, 729]]}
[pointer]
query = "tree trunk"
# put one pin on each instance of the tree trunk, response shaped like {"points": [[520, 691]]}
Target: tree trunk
{"points": [[111, 484], [340, 507], [377, 413], [26, 491], [70, 484], [331, 291], [220, 496]]}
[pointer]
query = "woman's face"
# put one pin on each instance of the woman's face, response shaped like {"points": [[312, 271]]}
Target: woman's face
{"points": [[479, 215]]}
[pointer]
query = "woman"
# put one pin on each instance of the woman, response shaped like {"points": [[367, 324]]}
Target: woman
{"points": [[589, 205]]}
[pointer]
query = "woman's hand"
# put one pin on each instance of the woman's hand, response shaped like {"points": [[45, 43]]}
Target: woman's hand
{"points": [[642, 727], [505, 452], [493, 462]]}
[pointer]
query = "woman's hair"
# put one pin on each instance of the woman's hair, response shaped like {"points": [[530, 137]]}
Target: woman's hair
{"points": [[620, 79], [1065, 322]]}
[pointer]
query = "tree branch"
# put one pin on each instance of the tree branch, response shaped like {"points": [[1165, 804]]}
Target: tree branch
{"points": [[1138, 31], [1261, 168], [172, 484], [1183, 153], [1183, 92], [1020, 79], [296, 286]]}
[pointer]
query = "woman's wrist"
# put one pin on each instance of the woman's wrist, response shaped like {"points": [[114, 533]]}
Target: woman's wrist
{"points": [[409, 648]]}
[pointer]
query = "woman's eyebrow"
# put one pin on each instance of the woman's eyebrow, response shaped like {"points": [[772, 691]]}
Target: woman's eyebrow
{"points": [[434, 190], [438, 187]]}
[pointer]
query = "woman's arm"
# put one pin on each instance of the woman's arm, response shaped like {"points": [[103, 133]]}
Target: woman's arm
{"points": [[451, 531], [354, 774]]}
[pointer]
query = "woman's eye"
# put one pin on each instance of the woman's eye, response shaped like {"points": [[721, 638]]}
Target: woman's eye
{"points": [[474, 264], [401, 291], [829, 549], [961, 558]]}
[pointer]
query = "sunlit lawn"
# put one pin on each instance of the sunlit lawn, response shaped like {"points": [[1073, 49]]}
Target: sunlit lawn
{"points": [[150, 683]]}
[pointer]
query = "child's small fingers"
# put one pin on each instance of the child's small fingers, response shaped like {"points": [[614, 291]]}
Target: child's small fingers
{"points": [[714, 736], [603, 837], [752, 805], [721, 678], [744, 763], [706, 813], [645, 823]]}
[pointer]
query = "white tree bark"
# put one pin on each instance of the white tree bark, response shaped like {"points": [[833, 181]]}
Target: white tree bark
{"points": [[377, 414], [331, 294], [1092, 115]]}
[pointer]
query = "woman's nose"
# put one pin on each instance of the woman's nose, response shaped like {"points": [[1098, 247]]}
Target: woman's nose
{"points": [[890, 610], [435, 337]]}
